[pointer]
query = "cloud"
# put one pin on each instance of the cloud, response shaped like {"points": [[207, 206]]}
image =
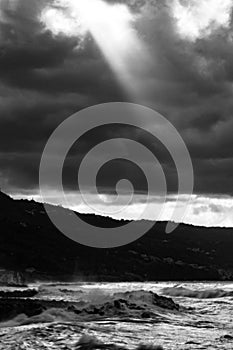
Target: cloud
{"points": [[47, 77], [197, 19], [203, 210]]}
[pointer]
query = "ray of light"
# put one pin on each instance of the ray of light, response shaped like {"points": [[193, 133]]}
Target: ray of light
{"points": [[111, 26]]}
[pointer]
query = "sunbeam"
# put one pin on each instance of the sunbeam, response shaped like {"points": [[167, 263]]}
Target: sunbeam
{"points": [[111, 26]]}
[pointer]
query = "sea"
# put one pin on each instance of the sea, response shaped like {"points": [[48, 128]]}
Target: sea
{"points": [[123, 316]]}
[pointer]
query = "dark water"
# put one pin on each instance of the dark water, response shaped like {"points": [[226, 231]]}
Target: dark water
{"points": [[115, 315]]}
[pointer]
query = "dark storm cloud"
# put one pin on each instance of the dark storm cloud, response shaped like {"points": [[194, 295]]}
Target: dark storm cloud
{"points": [[19, 171], [45, 78]]}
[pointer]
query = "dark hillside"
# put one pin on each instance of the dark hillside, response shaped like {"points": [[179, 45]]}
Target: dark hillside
{"points": [[31, 245]]}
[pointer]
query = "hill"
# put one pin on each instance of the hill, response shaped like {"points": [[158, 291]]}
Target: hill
{"points": [[31, 246]]}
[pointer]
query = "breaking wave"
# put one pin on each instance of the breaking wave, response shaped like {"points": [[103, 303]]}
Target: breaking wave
{"points": [[47, 316], [134, 305], [92, 342], [199, 294], [118, 317], [31, 339]]}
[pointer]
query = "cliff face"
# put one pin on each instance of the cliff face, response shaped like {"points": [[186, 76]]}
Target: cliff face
{"points": [[31, 245], [12, 278]]}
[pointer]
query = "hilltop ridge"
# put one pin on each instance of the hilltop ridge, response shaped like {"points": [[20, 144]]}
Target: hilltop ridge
{"points": [[31, 245]]}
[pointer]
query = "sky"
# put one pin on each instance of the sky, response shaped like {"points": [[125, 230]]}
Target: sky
{"points": [[175, 56]]}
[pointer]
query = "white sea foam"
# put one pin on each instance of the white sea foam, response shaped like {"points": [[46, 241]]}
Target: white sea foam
{"points": [[112, 314]]}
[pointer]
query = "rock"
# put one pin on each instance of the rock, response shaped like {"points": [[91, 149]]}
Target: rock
{"points": [[149, 347], [12, 278], [226, 337], [146, 314], [18, 293], [10, 308], [164, 302]]}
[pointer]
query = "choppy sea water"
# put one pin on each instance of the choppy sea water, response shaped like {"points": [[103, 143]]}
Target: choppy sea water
{"points": [[112, 315]]}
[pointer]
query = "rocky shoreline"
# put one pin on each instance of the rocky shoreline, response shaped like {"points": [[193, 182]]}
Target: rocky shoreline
{"points": [[140, 303]]}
